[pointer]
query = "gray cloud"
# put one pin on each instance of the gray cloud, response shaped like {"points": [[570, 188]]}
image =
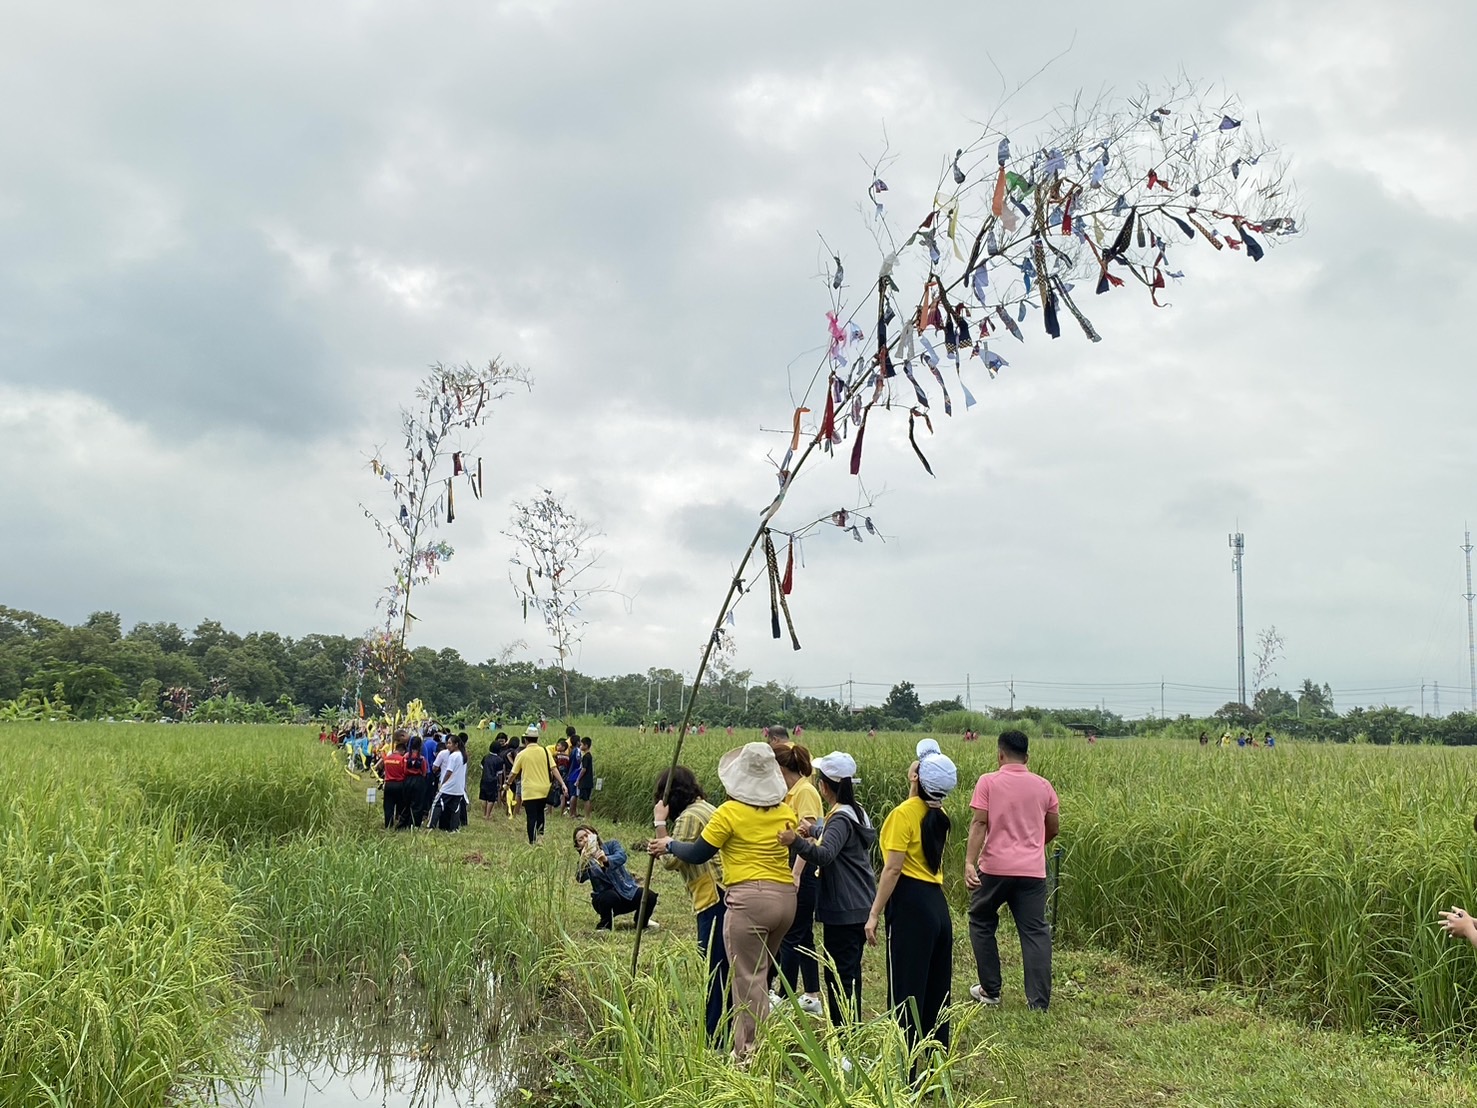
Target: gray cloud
{"points": [[232, 239]]}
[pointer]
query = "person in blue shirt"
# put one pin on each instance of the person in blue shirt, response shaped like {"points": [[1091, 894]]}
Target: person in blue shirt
{"points": [[613, 891], [572, 780]]}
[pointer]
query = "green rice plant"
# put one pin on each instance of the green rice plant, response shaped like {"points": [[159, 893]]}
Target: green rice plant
{"points": [[395, 912], [117, 948], [243, 783]]}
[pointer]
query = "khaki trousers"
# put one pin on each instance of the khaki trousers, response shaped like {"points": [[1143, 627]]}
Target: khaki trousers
{"points": [[759, 914]]}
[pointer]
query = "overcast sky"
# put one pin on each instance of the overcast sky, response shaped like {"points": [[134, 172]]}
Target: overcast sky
{"points": [[233, 236]]}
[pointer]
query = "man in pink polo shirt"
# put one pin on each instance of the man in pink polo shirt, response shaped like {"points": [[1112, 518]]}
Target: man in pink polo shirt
{"points": [[1015, 816]]}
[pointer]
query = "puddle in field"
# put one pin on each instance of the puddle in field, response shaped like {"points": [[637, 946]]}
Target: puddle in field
{"points": [[322, 1051]]}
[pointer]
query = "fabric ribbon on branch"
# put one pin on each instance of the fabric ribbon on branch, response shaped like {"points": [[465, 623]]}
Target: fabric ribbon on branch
{"points": [[777, 601], [913, 415]]}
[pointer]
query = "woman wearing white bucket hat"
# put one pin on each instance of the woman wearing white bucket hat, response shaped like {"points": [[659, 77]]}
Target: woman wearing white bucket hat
{"points": [[920, 934], [744, 832]]}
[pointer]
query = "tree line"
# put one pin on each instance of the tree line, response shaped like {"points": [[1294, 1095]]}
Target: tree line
{"points": [[96, 670]]}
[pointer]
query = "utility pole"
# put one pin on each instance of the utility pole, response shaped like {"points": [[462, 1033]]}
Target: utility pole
{"points": [[850, 693], [1012, 694], [1238, 550], [1423, 699], [968, 697], [1436, 689], [1161, 696], [1471, 642]]}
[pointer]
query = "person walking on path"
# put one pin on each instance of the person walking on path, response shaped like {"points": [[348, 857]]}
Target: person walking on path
{"points": [[534, 771], [1015, 816]]}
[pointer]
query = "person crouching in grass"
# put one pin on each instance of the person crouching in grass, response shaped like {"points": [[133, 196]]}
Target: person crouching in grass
{"points": [[613, 891]]}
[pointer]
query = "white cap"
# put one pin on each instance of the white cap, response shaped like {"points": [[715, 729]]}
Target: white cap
{"points": [[836, 765]]}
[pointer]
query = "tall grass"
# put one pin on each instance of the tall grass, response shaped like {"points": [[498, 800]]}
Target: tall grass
{"points": [[117, 945], [395, 914], [646, 1045]]}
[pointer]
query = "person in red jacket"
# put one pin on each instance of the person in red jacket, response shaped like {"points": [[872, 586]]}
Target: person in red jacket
{"points": [[394, 772]]}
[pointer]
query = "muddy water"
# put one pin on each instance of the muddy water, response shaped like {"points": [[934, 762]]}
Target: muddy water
{"points": [[323, 1051]]}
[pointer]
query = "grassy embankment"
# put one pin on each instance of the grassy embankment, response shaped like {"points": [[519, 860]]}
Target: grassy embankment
{"points": [[159, 880]]}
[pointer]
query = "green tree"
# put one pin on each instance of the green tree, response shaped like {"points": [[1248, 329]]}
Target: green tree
{"points": [[168, 637], [106, 624], [903, 703], [1315, 701], [1274, 702]]}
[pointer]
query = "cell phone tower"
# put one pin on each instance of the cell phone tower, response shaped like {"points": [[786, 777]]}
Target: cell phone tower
{"points": [[1471, 642], [1238, 549]]}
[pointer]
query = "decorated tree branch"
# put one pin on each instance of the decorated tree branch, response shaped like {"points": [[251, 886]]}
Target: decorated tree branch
{"points": [[1021, 237], [437, 454], [551, 569]]}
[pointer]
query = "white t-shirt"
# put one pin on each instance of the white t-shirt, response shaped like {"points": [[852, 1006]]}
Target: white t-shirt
{"points": [[454, 774]]}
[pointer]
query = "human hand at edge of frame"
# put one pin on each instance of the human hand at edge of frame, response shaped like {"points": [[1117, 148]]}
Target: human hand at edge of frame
{"points": [[870, 930], [1458, 922], [657, 847], [971, 875], [785, 837], [659, 812]]}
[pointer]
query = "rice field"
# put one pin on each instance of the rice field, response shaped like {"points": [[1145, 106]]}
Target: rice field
{"points": [[1310, 874], [163, 884]]}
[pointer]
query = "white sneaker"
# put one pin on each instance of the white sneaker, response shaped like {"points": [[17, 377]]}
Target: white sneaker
{"points": [[845, 1064], [776, 1002], [652, 925], [983, 997], [810, 1005]]}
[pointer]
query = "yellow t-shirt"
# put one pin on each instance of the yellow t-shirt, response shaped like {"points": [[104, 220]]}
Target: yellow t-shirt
{"points": [[746, 842], [903, 830], [531, 767], [805, 801]]}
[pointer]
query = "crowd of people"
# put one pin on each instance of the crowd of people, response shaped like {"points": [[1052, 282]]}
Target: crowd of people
{"points": [[422, 774], [789, 849], [1241, 739], [792, 847]]}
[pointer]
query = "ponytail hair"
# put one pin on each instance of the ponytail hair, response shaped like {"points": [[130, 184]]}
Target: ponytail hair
{"points": [[792, 756], [935, 833]]}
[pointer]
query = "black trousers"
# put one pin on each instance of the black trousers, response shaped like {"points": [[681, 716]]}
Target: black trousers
{"points": [[844, 945], [797, 962], [533, 811], [451, 812], [399, 797], [920, 958], [608, 904], [1026, 899]]}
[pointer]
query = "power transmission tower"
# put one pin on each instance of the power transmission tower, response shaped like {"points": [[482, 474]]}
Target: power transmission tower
{"points": [[1238, 550], [1471, 642]]}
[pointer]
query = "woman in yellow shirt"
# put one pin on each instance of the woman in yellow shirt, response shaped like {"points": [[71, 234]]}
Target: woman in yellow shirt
{"points": [[920, 934], [743, 831], [797, 962]]}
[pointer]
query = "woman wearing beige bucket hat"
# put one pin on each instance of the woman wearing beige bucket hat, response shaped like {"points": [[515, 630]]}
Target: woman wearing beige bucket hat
{"points": [[744, 832]]}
